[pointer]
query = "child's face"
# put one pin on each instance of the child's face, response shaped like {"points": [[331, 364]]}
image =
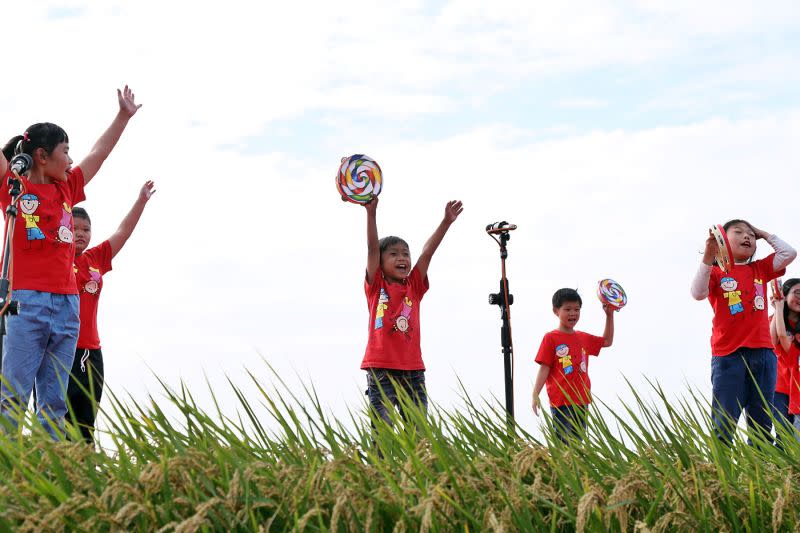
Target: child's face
{"points": [[743, 241], [83, 234], [57, 162], [396, 262], [568, 314], [793, 299]]}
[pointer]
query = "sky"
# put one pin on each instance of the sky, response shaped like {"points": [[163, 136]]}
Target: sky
{"points": [[612, 133]]}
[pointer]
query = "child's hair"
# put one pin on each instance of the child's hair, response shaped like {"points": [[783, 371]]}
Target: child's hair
{"points": [[563, 296], [79, 212], [41, 135], [787, 287], [389, 241]]}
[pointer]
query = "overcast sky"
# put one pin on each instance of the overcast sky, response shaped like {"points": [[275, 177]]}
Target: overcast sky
{"points": [[612, 133]]}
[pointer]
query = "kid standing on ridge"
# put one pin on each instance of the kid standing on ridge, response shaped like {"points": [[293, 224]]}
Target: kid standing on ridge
{"points": [[86, 379], [40, 342], [563, 359], [394, 291], [786, 337], [740, 338]]}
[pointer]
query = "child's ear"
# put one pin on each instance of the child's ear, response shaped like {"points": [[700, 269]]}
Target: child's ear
{"points": [[555, 311], [40, 155]]}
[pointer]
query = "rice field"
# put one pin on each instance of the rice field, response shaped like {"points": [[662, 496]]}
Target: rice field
{"points": [[654, 467]]}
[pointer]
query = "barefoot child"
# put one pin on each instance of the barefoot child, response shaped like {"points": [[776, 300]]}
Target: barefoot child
{"points": [[40, 341], [740, 340], [563, 359], [86, 379], [394, 291]]}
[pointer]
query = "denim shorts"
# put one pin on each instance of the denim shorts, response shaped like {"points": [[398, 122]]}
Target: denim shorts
{"points": [[381, 383], [38, 351]]}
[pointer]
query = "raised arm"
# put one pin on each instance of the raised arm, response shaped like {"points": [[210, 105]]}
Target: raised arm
{"points": [[99, 152], [120, 237], [451, 212], [3, 165], [608, 332], [699, 288], [780, 326], [373, 247]]}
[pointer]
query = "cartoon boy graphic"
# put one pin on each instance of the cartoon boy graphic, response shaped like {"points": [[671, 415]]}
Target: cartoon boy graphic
{"points": [[562, 352], [734, 297], [758, 300], [28, 204], [383, 305]]}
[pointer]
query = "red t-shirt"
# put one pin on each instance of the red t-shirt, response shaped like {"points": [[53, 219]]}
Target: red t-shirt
{"points": [[567, 355], [89, 269], [740, 306], [792, 362], [394, 340], [44, 247]]}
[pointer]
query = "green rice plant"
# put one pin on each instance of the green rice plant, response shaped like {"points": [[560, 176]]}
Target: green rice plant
{"points": [[280, 462]]}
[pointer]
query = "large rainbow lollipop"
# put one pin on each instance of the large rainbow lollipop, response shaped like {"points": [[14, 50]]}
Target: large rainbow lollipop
{"points": [[359, 179], [610, 292]]}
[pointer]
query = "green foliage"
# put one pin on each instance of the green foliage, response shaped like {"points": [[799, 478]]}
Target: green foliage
{"points": [[655, 467]]}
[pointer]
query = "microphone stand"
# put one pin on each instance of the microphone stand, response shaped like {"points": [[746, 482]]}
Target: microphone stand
{"points": [[8, 306], [504, 299]]}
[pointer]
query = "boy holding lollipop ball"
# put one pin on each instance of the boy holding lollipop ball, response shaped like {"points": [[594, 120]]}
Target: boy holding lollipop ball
{"points": [[563, 359], [394, 290]]}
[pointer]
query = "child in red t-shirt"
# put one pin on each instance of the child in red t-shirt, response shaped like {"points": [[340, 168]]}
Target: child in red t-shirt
{"points": [[86, 379], [563, 359], [394, 291], [786, 337], [740, 341], [40, 342]]}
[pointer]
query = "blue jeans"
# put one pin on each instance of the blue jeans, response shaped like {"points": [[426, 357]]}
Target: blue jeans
{"points": [[569, 421], [780, 412], [734, 389], [381, 390], [38, 351]]}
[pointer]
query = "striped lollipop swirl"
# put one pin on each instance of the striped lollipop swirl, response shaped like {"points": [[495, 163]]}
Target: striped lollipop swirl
{"points": [[610, 292], [359, 179]]}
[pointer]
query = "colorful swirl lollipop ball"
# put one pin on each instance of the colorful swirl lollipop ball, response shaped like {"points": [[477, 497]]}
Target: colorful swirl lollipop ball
{"points": [[610, 292], [359, 179]]}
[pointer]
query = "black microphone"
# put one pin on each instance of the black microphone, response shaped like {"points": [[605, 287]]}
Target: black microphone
{"points": [[20, 164], [499, 227]]}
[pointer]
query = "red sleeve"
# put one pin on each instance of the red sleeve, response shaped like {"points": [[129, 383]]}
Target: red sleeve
{"points": [[592, 343], [547, 352], [75, 180], [419, 286], [371, 289], [765, 268], [5, 197], [101, 255]]}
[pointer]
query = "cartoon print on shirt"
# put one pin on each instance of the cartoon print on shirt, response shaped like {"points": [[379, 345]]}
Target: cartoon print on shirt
{"points": [[758, 300], [383, 305], [65, 225], [28, 204], [734, 297], [562, 352], [402, 322], [93, 285], [584, 359]]}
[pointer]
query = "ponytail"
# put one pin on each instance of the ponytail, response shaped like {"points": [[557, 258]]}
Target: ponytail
{"points": [[43, 135]]}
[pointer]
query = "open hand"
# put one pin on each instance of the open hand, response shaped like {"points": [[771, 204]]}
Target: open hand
{"points": [[452, 210], [536, 405], [147, 190], [127, 102], [760, 234]]}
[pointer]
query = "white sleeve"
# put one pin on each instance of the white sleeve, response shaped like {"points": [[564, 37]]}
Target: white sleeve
{"points": [[699, 287], [784, 254]]}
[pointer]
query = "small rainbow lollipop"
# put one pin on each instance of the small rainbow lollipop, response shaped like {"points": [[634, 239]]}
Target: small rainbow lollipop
{"points": [[610, 292], [777, 288], [359, 179]]}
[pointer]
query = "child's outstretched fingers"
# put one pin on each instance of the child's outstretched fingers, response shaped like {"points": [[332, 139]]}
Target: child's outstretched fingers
{"points": [[127, 101], [452, 210], [148, 190]]}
